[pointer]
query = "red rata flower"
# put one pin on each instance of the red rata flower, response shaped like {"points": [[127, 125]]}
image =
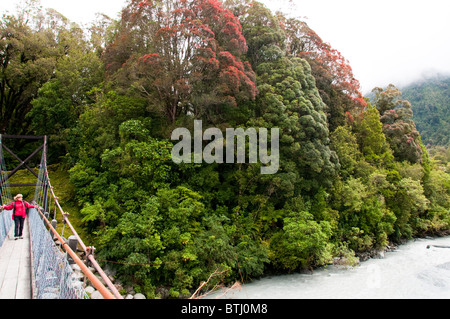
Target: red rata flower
{"points": [[196, 47]]}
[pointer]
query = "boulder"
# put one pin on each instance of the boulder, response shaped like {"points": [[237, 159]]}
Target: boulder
{"points": [[96, 295]]}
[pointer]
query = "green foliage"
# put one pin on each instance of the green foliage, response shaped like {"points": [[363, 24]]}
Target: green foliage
{"points": [[365, 221], [371, 139], [28, 60], [290, 101], [344, 143], [301, 243], [61, 101], [398, 126], [430, 100]]}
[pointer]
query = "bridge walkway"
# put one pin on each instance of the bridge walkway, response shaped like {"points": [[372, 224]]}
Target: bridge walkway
{"points": [[15, 266]]}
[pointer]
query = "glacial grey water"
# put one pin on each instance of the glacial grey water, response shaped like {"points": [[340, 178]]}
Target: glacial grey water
{"points": [[411, 271]]}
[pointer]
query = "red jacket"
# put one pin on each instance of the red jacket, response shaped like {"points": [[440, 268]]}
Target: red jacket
{"points": [[20, 208]]}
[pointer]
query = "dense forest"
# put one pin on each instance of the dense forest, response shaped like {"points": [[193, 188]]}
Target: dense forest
{"points": [[430, 102], [353, 176]]}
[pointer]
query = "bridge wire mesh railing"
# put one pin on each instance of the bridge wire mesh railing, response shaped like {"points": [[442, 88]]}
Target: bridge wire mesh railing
{"points": [[5, 216], [53, 276]]}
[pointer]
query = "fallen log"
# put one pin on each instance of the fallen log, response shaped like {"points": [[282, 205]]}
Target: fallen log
{"points": [[437, 246]]}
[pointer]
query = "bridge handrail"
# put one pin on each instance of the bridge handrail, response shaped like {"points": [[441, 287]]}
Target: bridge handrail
{"points": [[92, 278]]}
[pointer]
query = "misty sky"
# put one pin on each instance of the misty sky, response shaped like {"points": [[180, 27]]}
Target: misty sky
{"points": [[385, 41]]}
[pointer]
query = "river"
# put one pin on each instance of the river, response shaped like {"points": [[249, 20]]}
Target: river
{"points": [[410, 271]]}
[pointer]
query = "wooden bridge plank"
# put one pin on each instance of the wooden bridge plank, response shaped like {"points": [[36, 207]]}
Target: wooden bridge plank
{"points": [[24, 277], [15, 281]]}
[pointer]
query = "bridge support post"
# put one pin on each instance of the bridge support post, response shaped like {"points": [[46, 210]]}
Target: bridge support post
{"points": [[53, 223], [73, 243]]}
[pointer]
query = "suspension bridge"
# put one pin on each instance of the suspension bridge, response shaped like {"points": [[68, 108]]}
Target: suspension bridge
{"points": [[38, 266]]}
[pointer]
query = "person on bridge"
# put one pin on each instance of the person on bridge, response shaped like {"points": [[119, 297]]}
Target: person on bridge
{"points": [[19, 207]]}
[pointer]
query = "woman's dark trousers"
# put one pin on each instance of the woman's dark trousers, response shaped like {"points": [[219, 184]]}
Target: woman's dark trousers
{"points": [[18, 226]]}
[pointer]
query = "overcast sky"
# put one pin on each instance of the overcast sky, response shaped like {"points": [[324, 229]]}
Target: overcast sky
{"points": [[385, 41]]}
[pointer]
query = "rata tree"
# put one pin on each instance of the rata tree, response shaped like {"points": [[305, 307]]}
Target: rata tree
{"points": [[338, 87], [398, 125], [184, 56]]}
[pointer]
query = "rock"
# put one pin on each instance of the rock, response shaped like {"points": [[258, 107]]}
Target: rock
{"points": [[129, 296], [96, 295], [77, 284], [118, 286], [100, 278], [89, 289], [130, 290], [75, 267], [163, 292], [139, 296], [379, 255]]}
